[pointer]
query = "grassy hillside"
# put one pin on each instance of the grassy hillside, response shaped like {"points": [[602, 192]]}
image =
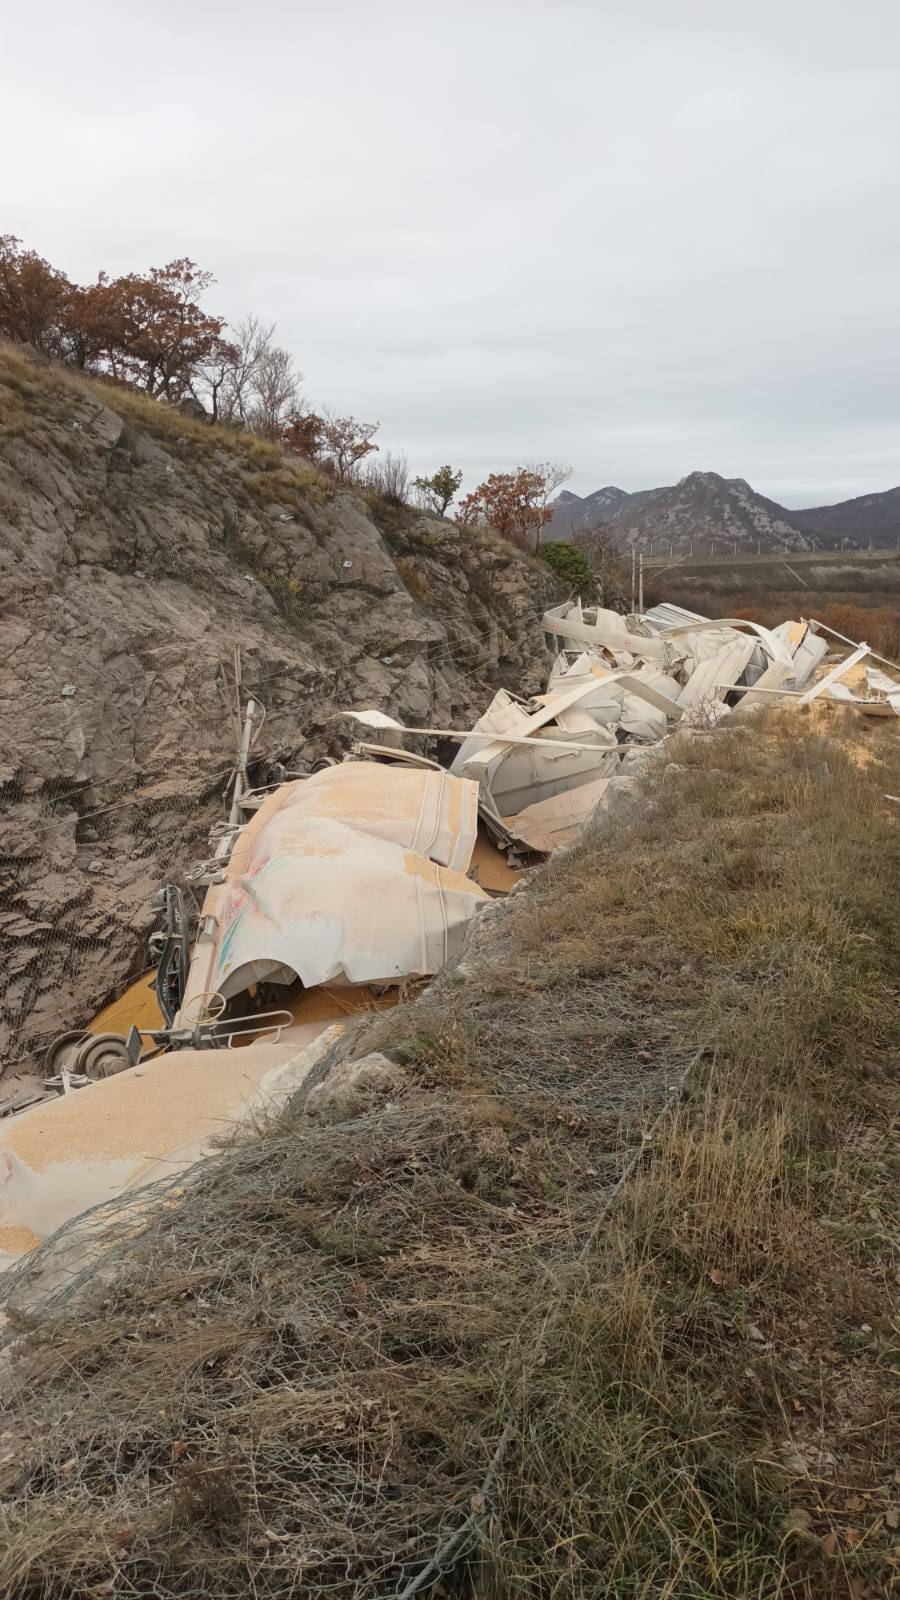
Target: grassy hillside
{"points": [[446, 1324]]}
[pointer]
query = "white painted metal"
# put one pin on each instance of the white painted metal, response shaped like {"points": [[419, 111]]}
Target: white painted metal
{"points": [[836, 673]]}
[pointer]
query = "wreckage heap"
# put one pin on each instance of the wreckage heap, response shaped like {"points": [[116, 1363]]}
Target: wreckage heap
{"points": [[365, 873], [544, 765]]}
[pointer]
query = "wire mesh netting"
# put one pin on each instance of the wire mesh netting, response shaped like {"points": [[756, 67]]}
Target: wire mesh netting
{"points": [[144, 756]]}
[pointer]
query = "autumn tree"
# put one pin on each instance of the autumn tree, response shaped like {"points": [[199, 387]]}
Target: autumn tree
{"points": [[251, 382], [304, 432], [345, 443], [437, 492], [611, 574], [554, 475], [512, 503], [33, 297], [337, 444], [150, 329], [84, 329]]}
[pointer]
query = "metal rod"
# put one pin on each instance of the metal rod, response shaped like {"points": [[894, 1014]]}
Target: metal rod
{"points": [[508, 738], [824, 628], [240, 776]]}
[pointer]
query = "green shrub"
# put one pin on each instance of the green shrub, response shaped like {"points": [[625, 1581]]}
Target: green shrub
{"points": [[570, 564]]}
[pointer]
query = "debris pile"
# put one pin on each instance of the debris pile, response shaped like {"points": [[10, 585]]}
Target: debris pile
{"points": [[543, 765], [365, 873]]}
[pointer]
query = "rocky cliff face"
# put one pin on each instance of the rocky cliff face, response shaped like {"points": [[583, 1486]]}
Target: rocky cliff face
{"points": [[138, 549]]}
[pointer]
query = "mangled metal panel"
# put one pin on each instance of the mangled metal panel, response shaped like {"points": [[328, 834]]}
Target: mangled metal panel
{"points": [[699, 642], [503, 715], [703, 695], [390, 729], [514, 777], [881, 684], [666, 616], [642, 715], [807, 649], [776, 676], [834, 676], [355, 874], [601, 629], [550, 823], [633, 691]]}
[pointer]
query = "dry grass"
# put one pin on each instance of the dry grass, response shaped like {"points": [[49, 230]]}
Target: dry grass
{"points": [[300, 1374], [31, 390], [872, 614], [414, 580]]}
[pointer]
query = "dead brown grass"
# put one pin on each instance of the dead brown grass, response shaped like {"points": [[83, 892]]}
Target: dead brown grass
{"points": [[873, 616], [302, 1370], [32, 391]]}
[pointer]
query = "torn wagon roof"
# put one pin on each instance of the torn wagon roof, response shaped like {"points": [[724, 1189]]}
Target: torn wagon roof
{"points": [[355, 874]]}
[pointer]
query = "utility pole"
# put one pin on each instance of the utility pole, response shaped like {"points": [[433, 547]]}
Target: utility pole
{"points": [[641, 584], [633, 577]]}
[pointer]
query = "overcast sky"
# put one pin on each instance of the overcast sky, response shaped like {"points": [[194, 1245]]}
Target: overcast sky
{"points": [[641, 237]]}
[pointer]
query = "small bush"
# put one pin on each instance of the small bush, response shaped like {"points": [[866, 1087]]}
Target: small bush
{"points": [[415, 581], [288, 593], [388, 477], [572, 565]]}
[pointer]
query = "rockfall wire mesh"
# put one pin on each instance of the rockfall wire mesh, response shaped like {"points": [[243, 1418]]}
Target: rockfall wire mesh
{"points": [[84, 847], [120, 770]]}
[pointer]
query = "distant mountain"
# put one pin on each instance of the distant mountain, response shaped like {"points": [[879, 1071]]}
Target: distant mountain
{"points": [[713, 514], [869, 516], [709, 512], [577, 513]]}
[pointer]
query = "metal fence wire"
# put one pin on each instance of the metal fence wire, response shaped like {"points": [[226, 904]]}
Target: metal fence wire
{"points": [[82, 852]]}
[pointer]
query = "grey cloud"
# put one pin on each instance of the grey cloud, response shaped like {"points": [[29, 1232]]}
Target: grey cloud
{"points": [[641, 241]]}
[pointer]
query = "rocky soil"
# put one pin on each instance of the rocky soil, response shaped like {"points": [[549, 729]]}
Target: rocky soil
{"points": [[138, 549]]}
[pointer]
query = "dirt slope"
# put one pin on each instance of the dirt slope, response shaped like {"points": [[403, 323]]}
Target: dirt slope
{"points": [[422, 1320], [137, 548]]}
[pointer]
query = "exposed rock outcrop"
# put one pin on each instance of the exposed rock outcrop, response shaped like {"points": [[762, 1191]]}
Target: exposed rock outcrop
{"points": [[138, 548]]}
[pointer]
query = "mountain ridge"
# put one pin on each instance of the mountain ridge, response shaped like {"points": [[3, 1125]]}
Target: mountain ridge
{"points": [[703, 508]]}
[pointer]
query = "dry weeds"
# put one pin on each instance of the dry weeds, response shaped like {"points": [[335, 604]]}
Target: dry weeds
{"points": [[297, 1380]]}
